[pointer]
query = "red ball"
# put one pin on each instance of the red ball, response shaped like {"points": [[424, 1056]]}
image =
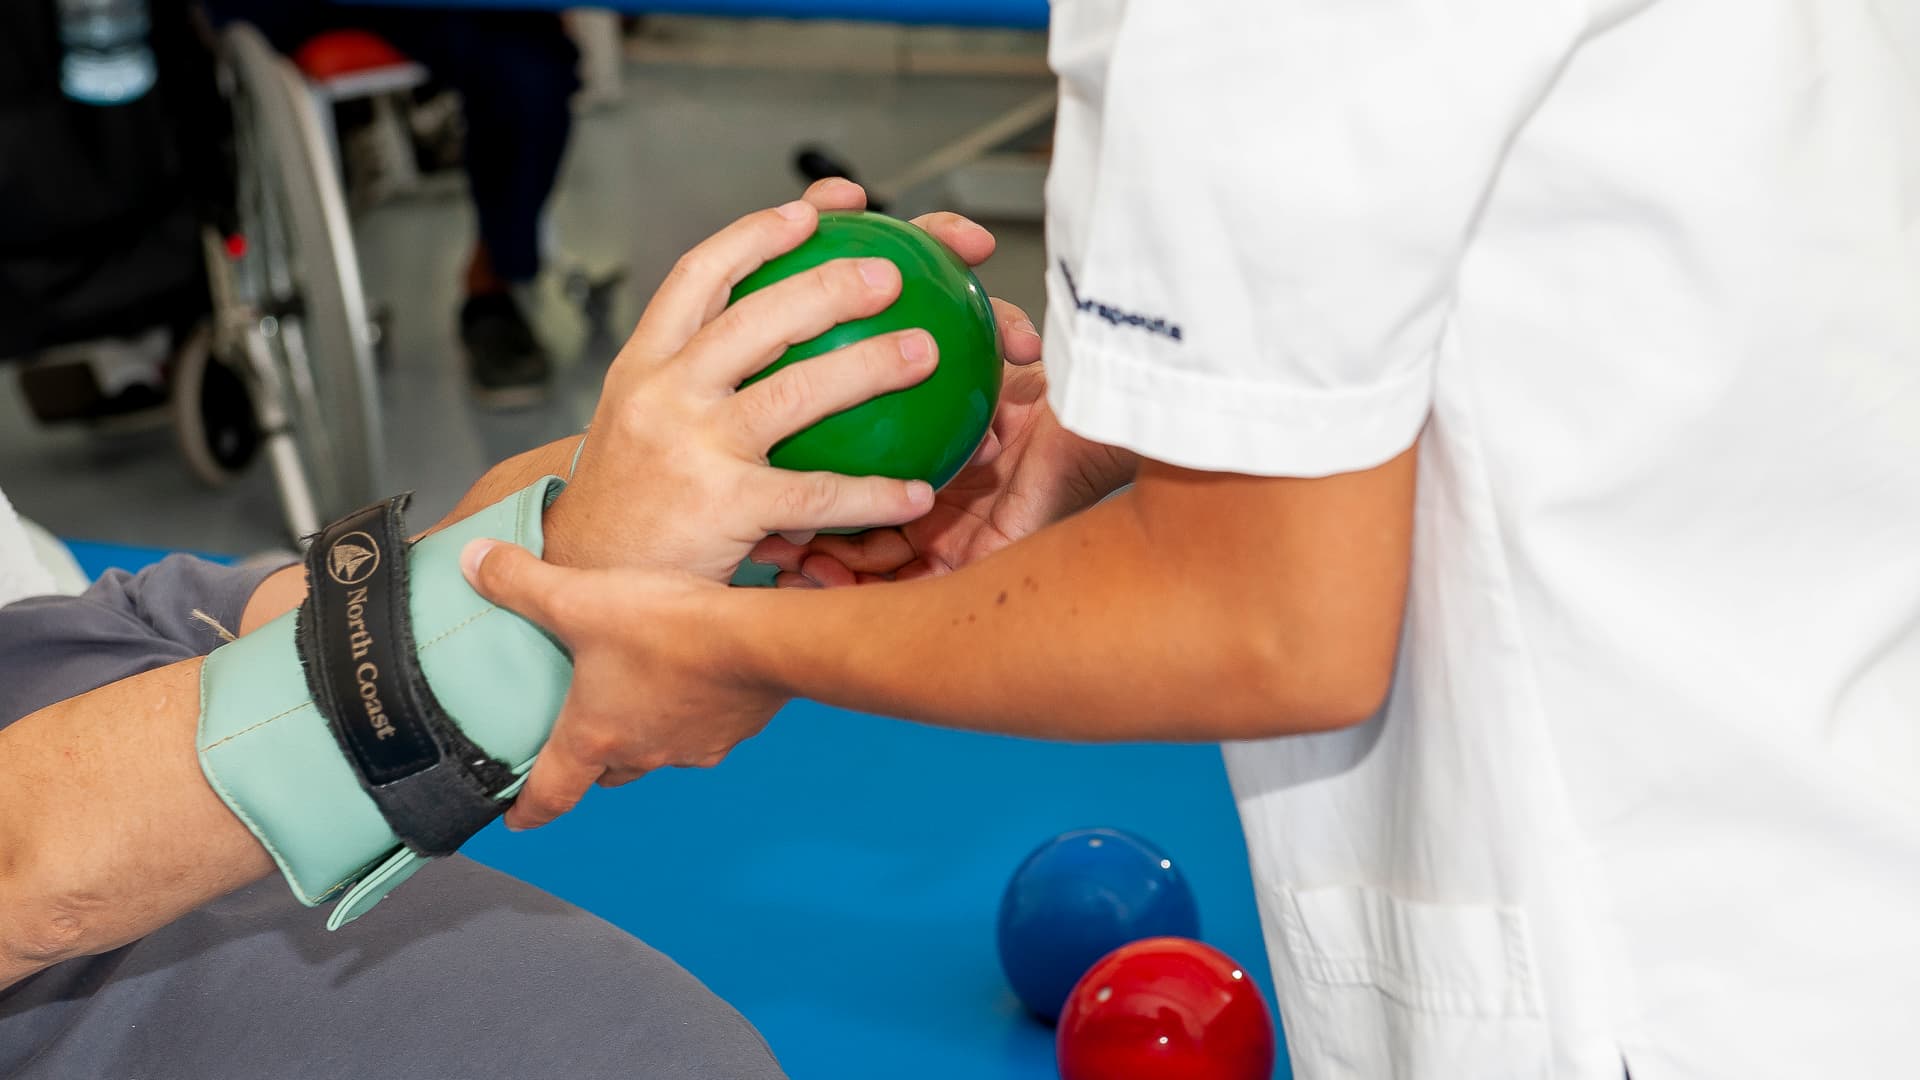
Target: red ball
{"points": [[1165, 1008]]}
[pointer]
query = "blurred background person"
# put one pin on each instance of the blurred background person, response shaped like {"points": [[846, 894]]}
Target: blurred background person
{"points": [[515, 72]]}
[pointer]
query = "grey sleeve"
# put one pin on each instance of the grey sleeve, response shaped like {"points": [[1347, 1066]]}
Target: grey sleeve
{"points": [[56, 647]]}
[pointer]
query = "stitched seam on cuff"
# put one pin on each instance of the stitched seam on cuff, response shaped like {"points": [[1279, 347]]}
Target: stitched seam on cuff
{"points": [[233, 804]]}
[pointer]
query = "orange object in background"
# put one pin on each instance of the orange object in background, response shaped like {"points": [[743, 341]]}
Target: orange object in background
{"points": [[345, 52]]}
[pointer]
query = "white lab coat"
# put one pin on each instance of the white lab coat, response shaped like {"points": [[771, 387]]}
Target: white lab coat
{"points": [[22, 571], [1644, 278]]}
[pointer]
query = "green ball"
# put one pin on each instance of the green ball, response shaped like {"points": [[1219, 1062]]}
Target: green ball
{"points": [[924, 432]]}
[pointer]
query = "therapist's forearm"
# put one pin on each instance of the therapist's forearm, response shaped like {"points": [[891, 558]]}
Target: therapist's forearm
{"points": [[1193, 615]]}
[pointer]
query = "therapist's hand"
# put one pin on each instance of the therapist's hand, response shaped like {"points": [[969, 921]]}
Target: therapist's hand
{"points": [[1032, 473], [1019, 340], [1028, 473], [652, 686]]}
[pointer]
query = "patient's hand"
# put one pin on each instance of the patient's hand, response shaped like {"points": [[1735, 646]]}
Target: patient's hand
{"points": [[674, 473]]}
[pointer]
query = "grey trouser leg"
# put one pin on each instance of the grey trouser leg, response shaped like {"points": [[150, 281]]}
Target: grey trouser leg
{"points": [[462, 973]]}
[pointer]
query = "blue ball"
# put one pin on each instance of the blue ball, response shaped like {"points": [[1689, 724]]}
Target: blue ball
{"points": [[1080, 896]]}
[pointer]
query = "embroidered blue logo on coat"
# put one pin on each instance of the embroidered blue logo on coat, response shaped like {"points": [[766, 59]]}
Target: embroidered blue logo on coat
{"points": [[1117, 316]]}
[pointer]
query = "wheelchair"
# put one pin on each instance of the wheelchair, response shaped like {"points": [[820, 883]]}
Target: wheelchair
{"points": [[274, 358], [289, 312]]}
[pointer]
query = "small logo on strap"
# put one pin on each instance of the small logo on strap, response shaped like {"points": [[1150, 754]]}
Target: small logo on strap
{"points": [[353, 558]]}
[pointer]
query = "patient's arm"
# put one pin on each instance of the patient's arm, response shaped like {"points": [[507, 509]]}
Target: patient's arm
{"points": [[108, 829]]}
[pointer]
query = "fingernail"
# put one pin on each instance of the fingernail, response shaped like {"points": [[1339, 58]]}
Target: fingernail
{"points": [[1025, 326], [473, 555], [916, 347], [878, 273], [919, 493], [792, 211]]}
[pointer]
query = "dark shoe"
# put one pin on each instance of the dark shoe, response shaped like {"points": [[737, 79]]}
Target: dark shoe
{"points": [[504, 360]]}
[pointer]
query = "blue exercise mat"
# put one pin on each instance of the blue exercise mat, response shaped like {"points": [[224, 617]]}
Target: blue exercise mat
{"points": [[96, 559], [837, 878]]}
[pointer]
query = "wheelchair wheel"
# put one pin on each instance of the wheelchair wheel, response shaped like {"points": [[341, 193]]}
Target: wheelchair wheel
{"points": [[288, 294], [213, 414]]}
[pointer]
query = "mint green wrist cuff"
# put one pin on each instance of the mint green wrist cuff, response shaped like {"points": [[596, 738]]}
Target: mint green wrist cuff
{"points": [[271, 756]]}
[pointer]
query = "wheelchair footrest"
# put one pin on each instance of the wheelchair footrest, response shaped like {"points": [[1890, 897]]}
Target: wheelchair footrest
{"points": [[64, 390]]}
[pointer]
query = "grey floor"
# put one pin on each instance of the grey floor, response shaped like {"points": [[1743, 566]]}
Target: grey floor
{"points": [[688, 150]]}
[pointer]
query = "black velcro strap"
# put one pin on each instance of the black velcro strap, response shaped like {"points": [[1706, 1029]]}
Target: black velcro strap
{"points": [[355, 637]]}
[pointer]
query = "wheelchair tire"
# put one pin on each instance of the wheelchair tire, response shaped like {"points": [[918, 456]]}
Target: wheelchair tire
{"points": [[212, 409], [298, 278]]}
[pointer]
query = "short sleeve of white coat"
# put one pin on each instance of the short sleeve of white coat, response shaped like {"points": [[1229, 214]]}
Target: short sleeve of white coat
{"points": [[1256, 209]]}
